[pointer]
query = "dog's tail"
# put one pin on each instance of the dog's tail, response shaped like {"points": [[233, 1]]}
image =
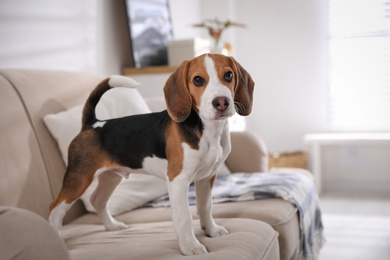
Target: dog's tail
{"points": [[89, 115]]}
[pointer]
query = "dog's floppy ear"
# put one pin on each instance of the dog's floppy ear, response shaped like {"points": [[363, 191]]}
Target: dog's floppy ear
{"points": [[243, 92], [177, 95]]}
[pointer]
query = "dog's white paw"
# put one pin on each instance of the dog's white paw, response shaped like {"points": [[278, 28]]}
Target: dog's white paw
{"points": [[195, 248], [216, 231], [116, 225]]}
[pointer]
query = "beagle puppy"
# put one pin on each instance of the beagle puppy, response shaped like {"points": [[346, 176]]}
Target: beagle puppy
{"points": [[186, 143]]}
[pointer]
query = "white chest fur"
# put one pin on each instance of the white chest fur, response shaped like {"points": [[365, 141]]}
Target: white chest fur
{"points": [[213, 150]]}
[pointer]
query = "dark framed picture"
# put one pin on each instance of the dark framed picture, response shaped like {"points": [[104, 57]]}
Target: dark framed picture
{"points": [[150, 30]]}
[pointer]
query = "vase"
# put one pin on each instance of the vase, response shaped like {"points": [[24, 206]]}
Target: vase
{"points": [[219, 49]]}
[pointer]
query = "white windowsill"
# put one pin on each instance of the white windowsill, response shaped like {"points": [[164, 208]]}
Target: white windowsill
{"points": [[346, 138]]}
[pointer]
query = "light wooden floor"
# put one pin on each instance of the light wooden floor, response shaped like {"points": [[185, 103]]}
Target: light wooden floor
{"points": [[356, 225]]}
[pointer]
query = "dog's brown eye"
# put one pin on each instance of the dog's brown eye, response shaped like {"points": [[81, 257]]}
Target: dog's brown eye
{"points": [[198, 81], [228, 76]]}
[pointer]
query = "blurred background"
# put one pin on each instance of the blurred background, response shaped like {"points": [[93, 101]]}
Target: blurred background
{"points": [[320, 67]]}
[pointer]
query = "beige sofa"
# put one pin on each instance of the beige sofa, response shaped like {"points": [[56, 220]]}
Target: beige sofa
{"points": [[31, 171]]}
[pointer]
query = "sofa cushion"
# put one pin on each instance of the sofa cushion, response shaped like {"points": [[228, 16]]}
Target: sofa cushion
{"points": [[25, 235], [280, 214], [247, 239]]}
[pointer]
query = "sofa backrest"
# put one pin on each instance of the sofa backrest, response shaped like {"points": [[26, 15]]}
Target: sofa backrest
{"points": [[31, 166]]}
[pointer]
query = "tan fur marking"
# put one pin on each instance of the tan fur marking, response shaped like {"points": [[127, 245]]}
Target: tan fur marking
{"points": [[223, 65], [174, 151], [243, 89], [177, 97], [195, 145], [212, 180], [89, 106], [80, 173], [197, 68]]}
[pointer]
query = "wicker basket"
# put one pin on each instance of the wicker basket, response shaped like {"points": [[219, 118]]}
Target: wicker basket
{"points": [[290, 160]]}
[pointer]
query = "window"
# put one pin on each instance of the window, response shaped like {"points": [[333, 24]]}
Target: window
{"points": [[359, 95], [46, 34]]}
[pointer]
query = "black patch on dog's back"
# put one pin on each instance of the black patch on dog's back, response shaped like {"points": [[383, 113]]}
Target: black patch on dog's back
{"points": [[130, 139]]}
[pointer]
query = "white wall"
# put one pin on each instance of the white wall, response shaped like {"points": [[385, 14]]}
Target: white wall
{"points": [[184, 15], [113, 39]]}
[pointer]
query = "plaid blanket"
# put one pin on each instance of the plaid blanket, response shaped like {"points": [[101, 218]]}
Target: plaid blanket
{"points": [[296, 188]]}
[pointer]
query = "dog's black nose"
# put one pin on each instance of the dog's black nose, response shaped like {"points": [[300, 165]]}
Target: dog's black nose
{"points": [[221, 103]]}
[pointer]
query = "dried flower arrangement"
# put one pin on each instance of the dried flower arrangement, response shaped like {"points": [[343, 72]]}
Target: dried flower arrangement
{"points": [[216, 27]]}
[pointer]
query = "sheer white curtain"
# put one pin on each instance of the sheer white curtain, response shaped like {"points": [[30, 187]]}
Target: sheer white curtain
{"points": [[359, 96], [47, 34]]}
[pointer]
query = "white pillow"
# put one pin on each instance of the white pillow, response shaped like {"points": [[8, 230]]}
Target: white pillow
{"points": [[117, 102]]}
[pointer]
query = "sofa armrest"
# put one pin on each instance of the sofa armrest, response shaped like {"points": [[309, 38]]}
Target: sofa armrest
{"points": [[249, 153], [25, 235]]}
